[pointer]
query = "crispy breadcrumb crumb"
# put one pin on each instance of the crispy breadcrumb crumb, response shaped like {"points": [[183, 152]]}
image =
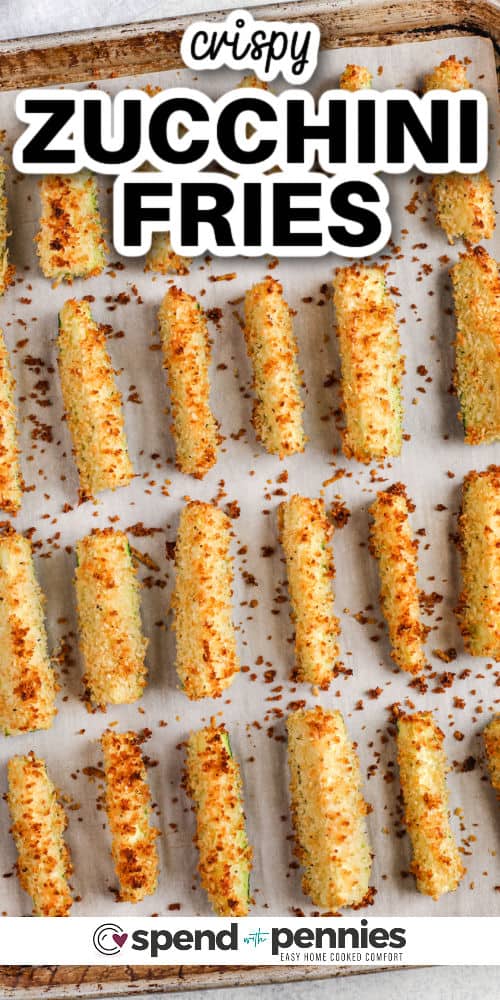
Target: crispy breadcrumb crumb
{"points": [[479, 526], [355, 78], [491, 736], [11, 482], [70, 243]]}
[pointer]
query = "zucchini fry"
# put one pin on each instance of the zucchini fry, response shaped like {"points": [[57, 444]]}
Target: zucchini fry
{"points": [[6, 269], [491, 736], [463, 202], [422, 768], [27, 681], [128, 807], [38, 823], [70, 243], [328, 809], [207, 658], [11, 482], [394, 547], [372, 364], [111, 640], [271, 347], [355, 78], [213, 781], [305, 532], [162, 259], [476, 290], [186, 352], [92, 402], [479, 527]]}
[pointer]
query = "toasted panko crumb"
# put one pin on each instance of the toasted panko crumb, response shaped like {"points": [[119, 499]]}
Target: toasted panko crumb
{"points": [[463, 203], [206, 658], [355, 78], [128, 807], [372, 363], [271, 347], [476, 290], [479, 527], [305, 532], [27, 681], [491, 736], [92, 402], [38, 824], [328, 809], [70, 243], [394, 547], [11, 482], [186, 352], [162, 259], [111, 640], [422, 767], [213, 781]]}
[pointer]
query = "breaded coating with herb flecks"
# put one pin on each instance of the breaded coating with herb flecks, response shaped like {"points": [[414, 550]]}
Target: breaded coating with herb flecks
{"points": [[422, 768], [70, 243], [479, 528], [355, 78], [11, 481], [213, 781], [162, 259], [38, 824], [491, 736]]}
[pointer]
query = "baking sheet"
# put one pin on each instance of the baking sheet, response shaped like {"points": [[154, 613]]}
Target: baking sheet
{"points": [[432, 465]]}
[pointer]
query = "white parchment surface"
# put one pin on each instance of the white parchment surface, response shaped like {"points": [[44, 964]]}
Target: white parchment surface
{"points": [[433, 462]]}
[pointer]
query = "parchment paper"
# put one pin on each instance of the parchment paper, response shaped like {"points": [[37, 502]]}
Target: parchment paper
{"points": [[432, 464]]}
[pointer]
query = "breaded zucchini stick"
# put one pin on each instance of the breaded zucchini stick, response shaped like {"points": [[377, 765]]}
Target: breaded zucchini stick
{"points": [[479, 526], [305, 532], [372, 364], [27, 681], [162, 259], [11, 482], [463, 202], [92, 402], [213, 781], [476, 290], [207, 658], [422, 769], [128, 807], [394, 547], [38, 823], [355, 78], [328, 809], [6, 270], [271, 347], [186, 352], [70, 243], [491, 736], [111, 640]]}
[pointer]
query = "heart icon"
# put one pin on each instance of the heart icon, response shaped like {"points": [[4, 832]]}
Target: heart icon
{"points": [[119, 939]]}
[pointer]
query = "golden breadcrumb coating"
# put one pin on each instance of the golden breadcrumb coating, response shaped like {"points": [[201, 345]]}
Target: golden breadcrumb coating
{"points": [[491, 736], [422, 769], [207, 658], [70, 243], [479, 526], [305, 532], [186, 352], [476, 290], [372, 363], [92, 402], [27, 681], [6, 270], [451, 74], [111, 640], [162, 259], [355, 78], [213, 781], [128, 807], [394, 547], [463, 203], [271, 347], [328, 809], [38, 823], [11, 482]]}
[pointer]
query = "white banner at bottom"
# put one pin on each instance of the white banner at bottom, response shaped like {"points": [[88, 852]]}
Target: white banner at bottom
{"points": [[358, 941]]}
